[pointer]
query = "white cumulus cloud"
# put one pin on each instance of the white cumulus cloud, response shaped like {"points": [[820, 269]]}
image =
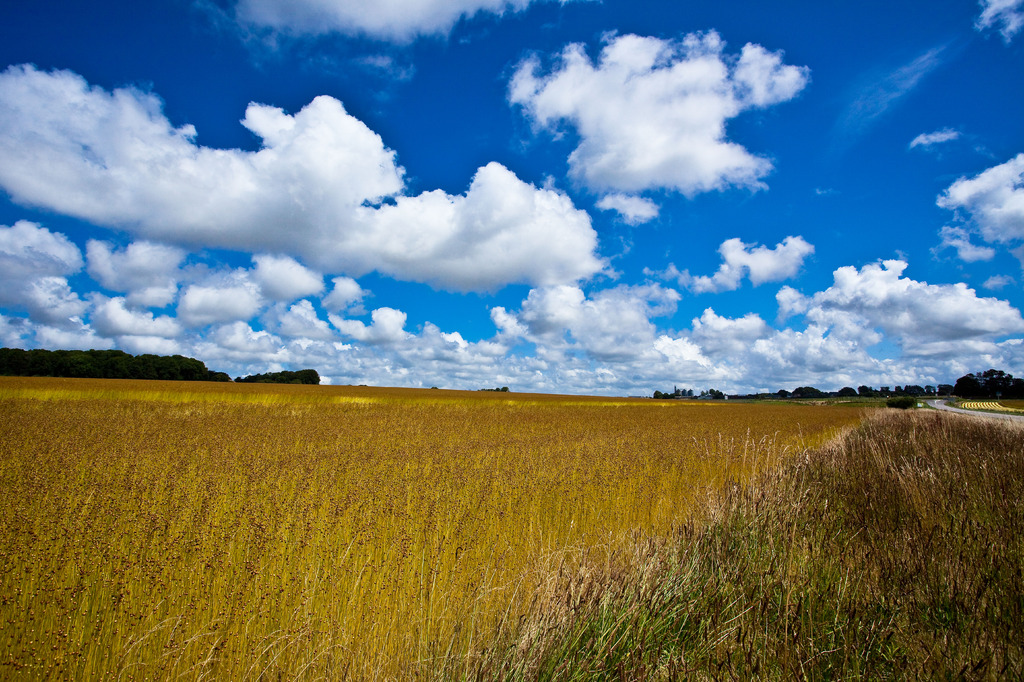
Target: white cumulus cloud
{"points": [[34, 263], [612, 324], [113, 158], [993, 199], [502, 230], [387, 327], [346, 294], [224, 298], [300, 320], [633, 209], [312, 192], [960, 239], [394, 20], [146, 272], [913, 313], [758, 263], [52, 301], [652, 113], [111, 317], [285, 279], [28, 250]]}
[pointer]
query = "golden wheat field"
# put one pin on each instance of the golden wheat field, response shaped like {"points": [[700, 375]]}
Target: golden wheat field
{"points": [[159, 530]]}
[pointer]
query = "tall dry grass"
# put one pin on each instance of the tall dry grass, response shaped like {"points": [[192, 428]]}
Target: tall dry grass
{"points": [[894, 552], [155, 530]]}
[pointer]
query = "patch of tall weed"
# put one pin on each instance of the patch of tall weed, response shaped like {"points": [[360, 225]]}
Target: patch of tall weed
{"points": [[894, 552]]}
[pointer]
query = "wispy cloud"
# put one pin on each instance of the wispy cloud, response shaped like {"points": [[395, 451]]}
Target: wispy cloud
{"points": [[1009, 14], [879, 95], [927, 140]]}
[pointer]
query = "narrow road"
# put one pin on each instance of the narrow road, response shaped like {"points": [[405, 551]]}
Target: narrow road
{"points": [[942, 405]]}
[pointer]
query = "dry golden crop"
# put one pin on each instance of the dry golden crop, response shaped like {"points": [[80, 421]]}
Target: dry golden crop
{"points": [[151, 530], [989, 406]]}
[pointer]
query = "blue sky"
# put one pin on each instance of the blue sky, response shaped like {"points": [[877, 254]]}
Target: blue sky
{"points": [[581, 197]]}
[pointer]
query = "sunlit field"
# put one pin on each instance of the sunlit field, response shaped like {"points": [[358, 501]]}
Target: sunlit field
{"points": [[157, 530], [992, 405]]}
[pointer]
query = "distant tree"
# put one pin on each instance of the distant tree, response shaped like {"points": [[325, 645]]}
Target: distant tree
{"points": [[944, 389], [311, 377], [782, 393], [716, 394], [968, 386], [807, 392], [1016, 389], [303, 376], [992, 383], [913, 390], [929, 390], [847, 392]]}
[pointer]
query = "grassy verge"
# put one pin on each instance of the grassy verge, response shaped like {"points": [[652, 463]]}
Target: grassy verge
{"points": [[894, 552]]}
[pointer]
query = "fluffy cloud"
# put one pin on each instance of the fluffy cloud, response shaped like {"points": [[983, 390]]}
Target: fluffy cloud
{"points": [[633, 209], [52, 301], [28, 250], [397, 20], [757, 262], [33, 262], [993, 199], [960, 239], [927, 140], [652, 113], [300, 321], [147, 272], [907, 311], [345, 295], [110, 317], [873, 325], [226, 298], [1008, 14], [727, 337], [114, 159], [502, 230], [285, 279], [813, 355], [387, 327], [239, 344], [70, 336], [613, 324]]}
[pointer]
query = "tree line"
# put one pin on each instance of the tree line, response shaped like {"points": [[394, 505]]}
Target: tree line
{"points": [[992, 383], [103, 364], [116, 364], [303, 376]]}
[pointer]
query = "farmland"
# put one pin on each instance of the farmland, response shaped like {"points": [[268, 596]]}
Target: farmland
{"points": [[158, 529], [992, 405]]}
